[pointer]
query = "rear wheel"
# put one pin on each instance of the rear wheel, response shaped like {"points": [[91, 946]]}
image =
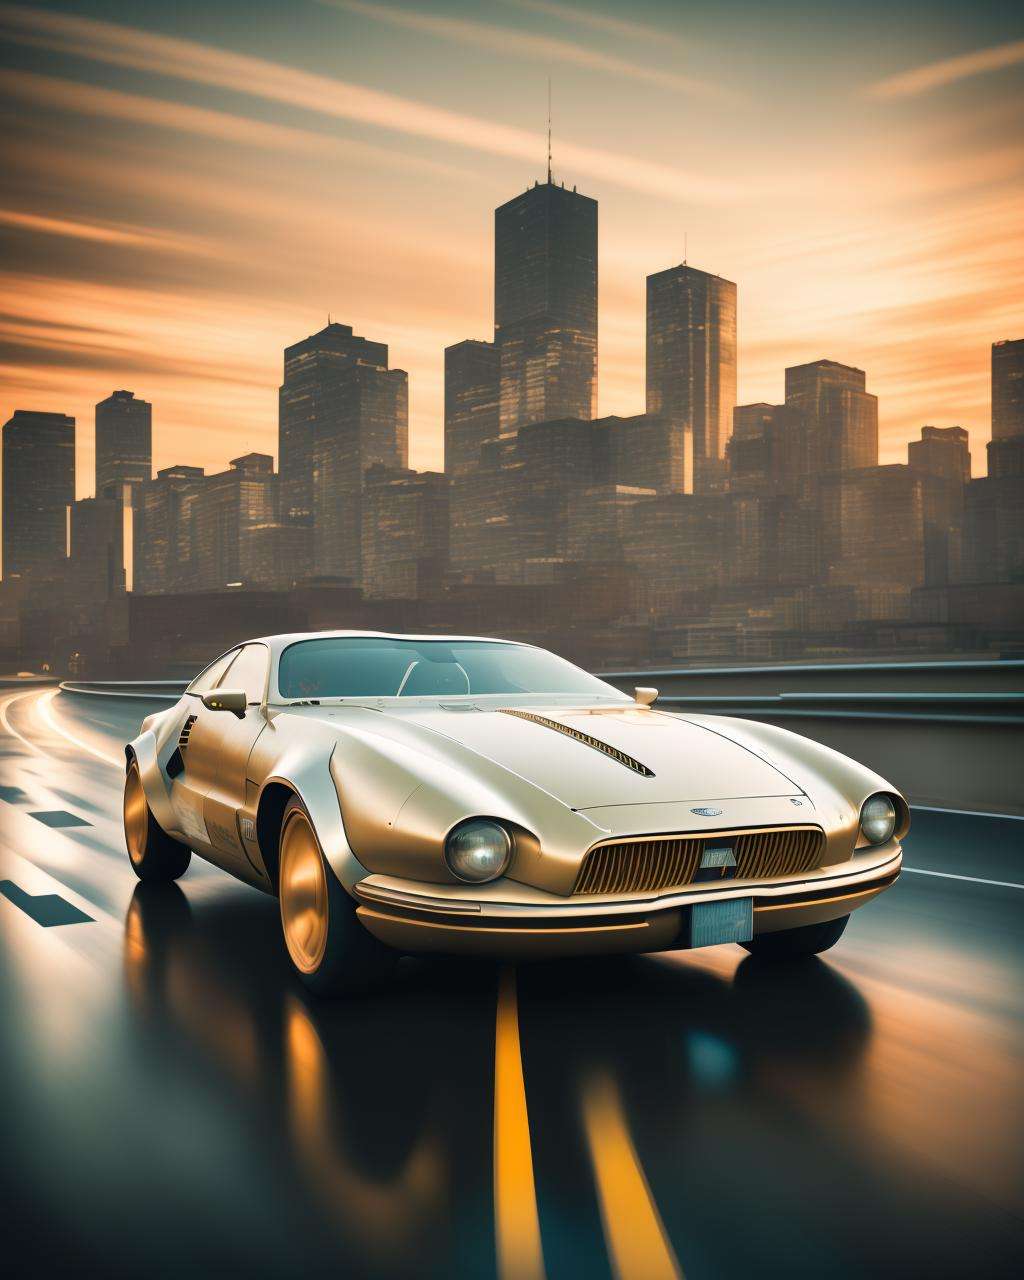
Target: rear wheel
{"points": [[153, 854], [790, 944], [331, 951]]}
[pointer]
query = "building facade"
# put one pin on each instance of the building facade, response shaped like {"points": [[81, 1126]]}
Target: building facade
{"points": [[691, 362], [38, 488], [545, 306]]}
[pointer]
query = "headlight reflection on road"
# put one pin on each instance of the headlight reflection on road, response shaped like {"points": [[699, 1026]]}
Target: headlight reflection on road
{"points": [[391, 1219]]}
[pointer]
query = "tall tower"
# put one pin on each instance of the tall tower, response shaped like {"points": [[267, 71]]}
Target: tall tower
{"points": [[38, 488], [691, 362], [124, 445], [545, 306], [1007, 389]]}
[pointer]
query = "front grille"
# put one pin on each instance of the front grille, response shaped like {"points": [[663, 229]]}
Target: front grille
{"points": [[647, 865]]}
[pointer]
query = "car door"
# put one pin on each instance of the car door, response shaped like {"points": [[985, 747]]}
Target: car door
{"points": [[219, 747], [188, 783]]}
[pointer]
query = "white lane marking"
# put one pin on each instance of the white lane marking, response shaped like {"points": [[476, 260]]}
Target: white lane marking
{"points": [[15, 733], [45, 709], [948, 875], [968, 813]]}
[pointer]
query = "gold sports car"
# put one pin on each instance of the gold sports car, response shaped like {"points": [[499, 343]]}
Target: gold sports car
{"points": [[404, 794]]}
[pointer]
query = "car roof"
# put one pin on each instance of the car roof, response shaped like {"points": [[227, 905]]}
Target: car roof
{"points": [[279, 642]]}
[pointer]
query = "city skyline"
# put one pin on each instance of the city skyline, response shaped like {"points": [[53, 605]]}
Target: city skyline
{"points": [[171, 227]]}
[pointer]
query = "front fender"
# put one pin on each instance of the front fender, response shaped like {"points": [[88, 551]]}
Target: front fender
{"points": [[309, 776], [145, 749]]}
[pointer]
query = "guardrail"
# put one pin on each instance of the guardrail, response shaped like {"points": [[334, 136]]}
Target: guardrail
{"points": [[161, 690], [949, 734]]}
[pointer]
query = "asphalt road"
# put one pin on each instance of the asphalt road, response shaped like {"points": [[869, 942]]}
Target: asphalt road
{"points": [[173, 1101]]}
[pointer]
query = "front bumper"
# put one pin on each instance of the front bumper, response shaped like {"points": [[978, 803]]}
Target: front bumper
{"points": [[412, 916]]}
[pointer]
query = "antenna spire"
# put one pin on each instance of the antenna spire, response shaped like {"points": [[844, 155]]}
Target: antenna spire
{"points": [[549, 130]]}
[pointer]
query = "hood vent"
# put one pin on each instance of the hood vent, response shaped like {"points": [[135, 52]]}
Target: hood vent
{"points": [[612, 752]]}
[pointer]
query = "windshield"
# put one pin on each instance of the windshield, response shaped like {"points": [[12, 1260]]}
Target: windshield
{"points": [[376, 667]]}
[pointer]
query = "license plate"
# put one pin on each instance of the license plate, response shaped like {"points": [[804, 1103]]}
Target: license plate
{"points": [[712, 923]]}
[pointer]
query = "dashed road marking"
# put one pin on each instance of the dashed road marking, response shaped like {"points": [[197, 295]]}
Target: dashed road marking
{"points": [[47, 909]]}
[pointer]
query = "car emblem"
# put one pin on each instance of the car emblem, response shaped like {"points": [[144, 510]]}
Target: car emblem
{"points": [[707, 813]]}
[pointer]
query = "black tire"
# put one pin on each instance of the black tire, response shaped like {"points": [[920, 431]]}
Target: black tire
{"points": [[346, 959], [154, 855], [791, 944]]}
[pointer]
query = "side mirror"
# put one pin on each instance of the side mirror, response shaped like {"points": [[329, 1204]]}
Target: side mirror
{"points": [[226, 700], [644, 697]]}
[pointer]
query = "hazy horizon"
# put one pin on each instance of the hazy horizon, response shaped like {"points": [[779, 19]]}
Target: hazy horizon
{"points": [[187, 193]]}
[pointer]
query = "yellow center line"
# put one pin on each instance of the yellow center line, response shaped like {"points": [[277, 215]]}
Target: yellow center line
{"points": [[635, 1236], [516, 1224]]}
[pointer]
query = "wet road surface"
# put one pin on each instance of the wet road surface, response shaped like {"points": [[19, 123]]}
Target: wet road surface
{"points": [[173, 1101]]}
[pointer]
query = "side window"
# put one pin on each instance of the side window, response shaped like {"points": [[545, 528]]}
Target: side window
{"points": [[207, 680], [248, 672]]}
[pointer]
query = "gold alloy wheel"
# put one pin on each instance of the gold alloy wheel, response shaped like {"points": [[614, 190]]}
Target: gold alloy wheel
{"points": [[303, 893], [136, 816]]}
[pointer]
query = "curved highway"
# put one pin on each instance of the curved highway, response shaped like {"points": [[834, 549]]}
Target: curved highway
{"points": [[173, 1100]]}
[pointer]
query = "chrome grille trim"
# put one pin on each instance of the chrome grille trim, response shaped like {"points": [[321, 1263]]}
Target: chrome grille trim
{"points": [[652, 863], [612, 752]]}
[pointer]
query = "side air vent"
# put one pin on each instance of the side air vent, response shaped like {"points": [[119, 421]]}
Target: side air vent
{"points": [[186, 730], [612, 752]]}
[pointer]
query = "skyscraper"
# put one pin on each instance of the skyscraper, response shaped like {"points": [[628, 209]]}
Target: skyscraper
{"points": [[471, 394], [38, 488], [1007, 389], [840, 417], [341, 411], [124, 445], [691, 362], [545, 306]]}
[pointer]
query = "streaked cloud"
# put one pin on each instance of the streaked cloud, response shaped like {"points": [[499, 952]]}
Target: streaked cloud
{"points": [[257, 77], [103, 233], [936, 75], [595, 20], [510, 41]]}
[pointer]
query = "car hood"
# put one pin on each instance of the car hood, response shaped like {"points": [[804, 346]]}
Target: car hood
{"points": [[599, 756]]}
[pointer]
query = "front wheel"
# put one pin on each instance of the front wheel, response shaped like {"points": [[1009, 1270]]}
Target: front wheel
{"points": [[331, 951], [153, 854], [791, 944]]}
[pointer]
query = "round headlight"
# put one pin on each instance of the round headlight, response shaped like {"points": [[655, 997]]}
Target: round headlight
{"points": [[478, 850], [878, 819]]}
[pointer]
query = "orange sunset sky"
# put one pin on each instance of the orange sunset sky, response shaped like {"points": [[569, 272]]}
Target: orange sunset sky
{"points": [[188, 188]]}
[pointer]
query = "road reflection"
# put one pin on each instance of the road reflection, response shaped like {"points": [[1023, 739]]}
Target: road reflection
{"points": [[382, 1105], [707, 1112]]}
